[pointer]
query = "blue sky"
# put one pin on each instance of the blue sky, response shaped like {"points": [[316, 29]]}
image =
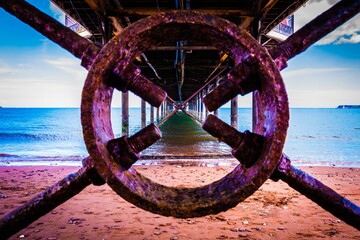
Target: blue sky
{"points": [[34, 72]]}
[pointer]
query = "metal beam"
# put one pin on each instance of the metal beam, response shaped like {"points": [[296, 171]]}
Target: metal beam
{"points": [[185, 48], [125, 113], [143, 12]]}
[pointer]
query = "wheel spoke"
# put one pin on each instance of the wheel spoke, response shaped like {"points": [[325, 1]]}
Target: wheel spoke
{"points": [[129, 77], [243, 79], [126, 151], [318, 192], [246, 146]]}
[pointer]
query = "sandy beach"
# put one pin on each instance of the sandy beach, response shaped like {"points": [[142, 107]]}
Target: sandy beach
{"points": [[275, 211]]}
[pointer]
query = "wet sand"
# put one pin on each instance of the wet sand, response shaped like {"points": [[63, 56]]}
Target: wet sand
{"points": [[275, 211]]}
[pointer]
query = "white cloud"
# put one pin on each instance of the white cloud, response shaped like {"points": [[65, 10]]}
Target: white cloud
{"points": [[311, 71], [57, 13], [68, 65], [5, 70], [14, 69], [349, 32], [37, 90]]}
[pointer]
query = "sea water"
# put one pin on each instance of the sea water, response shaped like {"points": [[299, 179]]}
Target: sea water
{"points": [[38, 136]]}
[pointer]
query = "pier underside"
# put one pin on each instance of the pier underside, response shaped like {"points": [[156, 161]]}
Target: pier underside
{"points": [[180, 67]]}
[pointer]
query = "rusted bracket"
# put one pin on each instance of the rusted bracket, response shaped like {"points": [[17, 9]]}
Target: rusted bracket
{"points": [[138, 189], [46, 201], [318, 192]]}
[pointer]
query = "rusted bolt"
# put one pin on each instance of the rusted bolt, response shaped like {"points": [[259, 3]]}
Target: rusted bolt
{"points": [[129, 77], [243, 79], [246, 146], [126, 151]]}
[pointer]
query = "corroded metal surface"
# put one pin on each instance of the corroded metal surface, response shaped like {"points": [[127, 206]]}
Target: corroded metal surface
{"points": [[126, 151], [243, 79], [143, 192], [246, 146], [318, 192], [49, 199], [133, 80]]}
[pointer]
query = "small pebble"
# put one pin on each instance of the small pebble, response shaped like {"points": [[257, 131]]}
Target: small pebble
{"points": [[3, 196], [221, 217], [238, 229], [243, 235], [190, 222], [75, 221], [281, 228], [245, 222]]}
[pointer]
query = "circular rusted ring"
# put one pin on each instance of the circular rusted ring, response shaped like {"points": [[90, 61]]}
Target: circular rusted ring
{"points": [[272, 109]]}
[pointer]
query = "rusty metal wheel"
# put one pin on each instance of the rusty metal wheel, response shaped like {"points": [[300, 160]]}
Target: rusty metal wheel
{"points": [[117, 56]]}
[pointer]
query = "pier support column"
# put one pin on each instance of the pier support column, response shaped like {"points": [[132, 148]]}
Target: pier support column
{"points": [[143, 113], [151, 114], [206, 110], [158, 114], [168, 107], [254, 112], [198, 106], [201, 105], [125, 113], [162, 110], [234, 112]]}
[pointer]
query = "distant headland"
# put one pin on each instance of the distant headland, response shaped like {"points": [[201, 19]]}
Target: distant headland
{"points": [[348, 106]]}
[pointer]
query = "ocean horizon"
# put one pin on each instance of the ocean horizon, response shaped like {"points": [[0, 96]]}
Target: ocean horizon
{"points": [[53, 136]]}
